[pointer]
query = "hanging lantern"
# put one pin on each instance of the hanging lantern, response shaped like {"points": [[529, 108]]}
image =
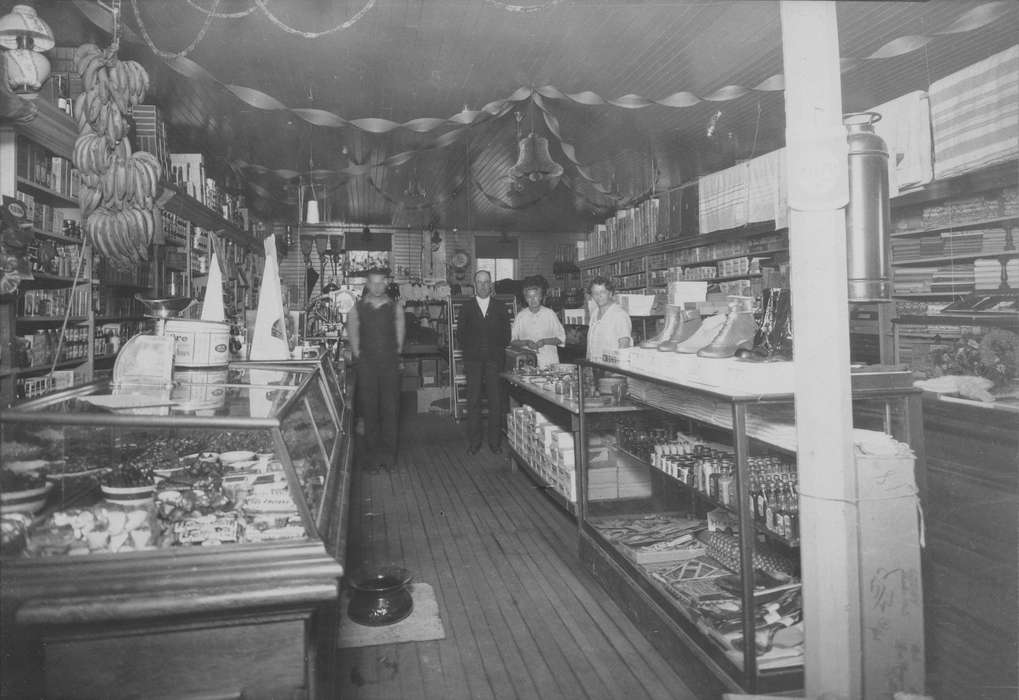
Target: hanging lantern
{"points": [[534, 162], [24, 36], [312, 216], [867, 215]]}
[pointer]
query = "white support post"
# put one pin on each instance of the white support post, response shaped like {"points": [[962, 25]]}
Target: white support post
{"points": [[818, 190]]}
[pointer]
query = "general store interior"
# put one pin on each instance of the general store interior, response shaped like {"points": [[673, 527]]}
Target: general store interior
{"points": [[640, 502]]}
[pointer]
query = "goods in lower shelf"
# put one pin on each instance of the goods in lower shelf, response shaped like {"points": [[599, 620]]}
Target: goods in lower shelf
{"points": [[654, 539], [548, 449], [705, 589], [200, 489], [710, 469]]}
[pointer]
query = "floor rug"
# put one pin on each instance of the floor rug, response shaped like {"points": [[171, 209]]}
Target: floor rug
{"points": [[422, 625]]}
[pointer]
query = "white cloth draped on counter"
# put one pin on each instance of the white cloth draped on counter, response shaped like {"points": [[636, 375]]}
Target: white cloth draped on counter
{"points": [[745, 193]]}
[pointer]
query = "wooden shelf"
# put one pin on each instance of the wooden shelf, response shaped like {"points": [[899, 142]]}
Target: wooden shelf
{"points": [[958, 226], [989, 178], [933, 295], [51, 128], [22, 371], [46, 195], [119, 319], [714, 261], [729, 278], [60, 238], [51, 319], [672, 244], [942, 259], [175, 200], [44, 280], [951, 319]]}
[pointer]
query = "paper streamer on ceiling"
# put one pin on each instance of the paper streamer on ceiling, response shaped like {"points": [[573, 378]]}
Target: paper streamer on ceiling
{"points": [[972, 19], [522, 9]]}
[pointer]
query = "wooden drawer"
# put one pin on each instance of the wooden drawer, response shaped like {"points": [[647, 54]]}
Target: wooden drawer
{"points": [[261, 660]]}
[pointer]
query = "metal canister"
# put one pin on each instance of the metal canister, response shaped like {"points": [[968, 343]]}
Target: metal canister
{"points": [[867, 215]]}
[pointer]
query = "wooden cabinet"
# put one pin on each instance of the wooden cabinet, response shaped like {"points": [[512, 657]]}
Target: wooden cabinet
{"points": [[244, 619]]}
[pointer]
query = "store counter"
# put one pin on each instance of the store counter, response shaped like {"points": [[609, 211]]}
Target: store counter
{"points": [[220, 580], [543, 432], [971, 567]]}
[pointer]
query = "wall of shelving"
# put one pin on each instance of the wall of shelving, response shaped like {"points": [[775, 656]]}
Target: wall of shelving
{"points": [[955, 265], [34, 359]]}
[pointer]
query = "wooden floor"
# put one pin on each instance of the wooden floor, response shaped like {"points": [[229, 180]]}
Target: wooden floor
{"points": [[522, 618]]}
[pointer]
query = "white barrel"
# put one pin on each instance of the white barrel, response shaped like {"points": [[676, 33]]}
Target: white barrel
{"points": [[199, 343], [200, 389]]}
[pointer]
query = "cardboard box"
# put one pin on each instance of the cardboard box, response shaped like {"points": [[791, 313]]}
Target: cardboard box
{"points": [[891, 602], [427, 397]]}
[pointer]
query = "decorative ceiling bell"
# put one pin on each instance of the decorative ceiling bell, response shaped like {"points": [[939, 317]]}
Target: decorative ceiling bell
{"points": [[535, 163]]}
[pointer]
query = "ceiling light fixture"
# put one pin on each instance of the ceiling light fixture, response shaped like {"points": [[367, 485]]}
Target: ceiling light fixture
{"points": [[24, 36]]}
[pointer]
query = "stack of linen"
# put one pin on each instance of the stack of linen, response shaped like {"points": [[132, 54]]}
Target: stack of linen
{"points": [[957, 278], [987, 273], [913, 280], [907, 249], [962, 242]]}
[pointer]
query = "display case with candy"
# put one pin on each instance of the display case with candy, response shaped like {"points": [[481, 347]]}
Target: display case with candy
{"points": [[257, 472], [155, 528]]}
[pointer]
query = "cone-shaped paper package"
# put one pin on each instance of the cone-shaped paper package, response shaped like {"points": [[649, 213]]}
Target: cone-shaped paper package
{"points": [[212, 307], [269, 340]]}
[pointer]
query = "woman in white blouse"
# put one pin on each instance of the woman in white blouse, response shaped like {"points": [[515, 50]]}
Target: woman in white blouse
{"points": [[537, 327], [610, 325]]}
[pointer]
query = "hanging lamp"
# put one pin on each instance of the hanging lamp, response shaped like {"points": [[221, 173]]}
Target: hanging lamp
{"points": [[24, 36]]}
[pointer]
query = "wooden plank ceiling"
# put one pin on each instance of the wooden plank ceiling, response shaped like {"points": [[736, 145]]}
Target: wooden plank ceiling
{"points": [[406, 59]]}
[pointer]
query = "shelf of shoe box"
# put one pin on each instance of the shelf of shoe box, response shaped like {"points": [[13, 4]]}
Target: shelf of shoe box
{"points": [[949, 216], [942, 223], [546, 450], [723, 260]]}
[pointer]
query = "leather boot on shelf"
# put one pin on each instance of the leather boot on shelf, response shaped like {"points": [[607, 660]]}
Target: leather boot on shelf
{"points": [[774, 339], [672, 321], [689, 323], [737, 333], [710, 327]]}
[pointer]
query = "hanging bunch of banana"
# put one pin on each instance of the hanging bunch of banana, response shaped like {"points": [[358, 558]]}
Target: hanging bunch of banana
{"points": [[118, 188]]}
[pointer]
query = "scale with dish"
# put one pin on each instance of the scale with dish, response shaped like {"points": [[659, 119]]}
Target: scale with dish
{"points": [[147, 360]]}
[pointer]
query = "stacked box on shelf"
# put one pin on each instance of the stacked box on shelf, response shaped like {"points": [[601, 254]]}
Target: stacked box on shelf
{"points": [[150, 133], [36, 164], [175, 229], [187, 170]]}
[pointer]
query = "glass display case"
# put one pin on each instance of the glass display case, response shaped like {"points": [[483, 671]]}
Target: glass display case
{"points": [[149, 498], [689, 513]]}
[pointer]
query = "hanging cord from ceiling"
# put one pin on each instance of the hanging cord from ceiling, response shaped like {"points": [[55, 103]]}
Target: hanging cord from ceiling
{"points": [[757, 131], [222, 15], [263, 5], [168, 55]]}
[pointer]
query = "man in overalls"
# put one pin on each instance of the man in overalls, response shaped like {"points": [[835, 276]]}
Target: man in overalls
{"points": [[376, 329]]}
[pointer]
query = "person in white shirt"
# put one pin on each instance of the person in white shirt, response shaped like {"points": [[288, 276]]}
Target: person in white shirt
{"points": [[610, 325], [537, 327]]}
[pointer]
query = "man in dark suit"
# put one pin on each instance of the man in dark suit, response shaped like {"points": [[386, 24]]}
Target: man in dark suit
{"points": [[484, 328]]}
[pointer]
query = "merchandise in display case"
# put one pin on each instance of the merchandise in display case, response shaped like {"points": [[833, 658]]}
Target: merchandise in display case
{"points": [[690, 516], [219, 498]]}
